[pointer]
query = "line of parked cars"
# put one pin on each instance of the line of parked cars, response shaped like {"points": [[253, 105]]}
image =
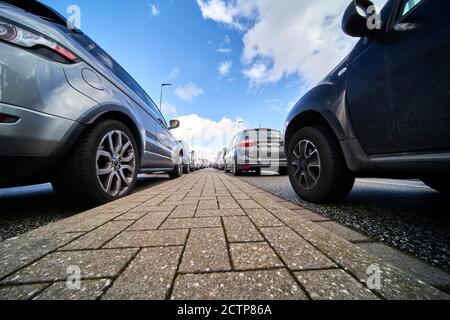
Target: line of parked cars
{"points": [[191, 161], [72, 116]]}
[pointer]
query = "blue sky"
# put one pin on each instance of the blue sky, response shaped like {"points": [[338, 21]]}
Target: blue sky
{"points": [[269, 53]]}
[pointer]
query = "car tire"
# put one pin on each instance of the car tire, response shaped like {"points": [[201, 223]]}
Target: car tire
{"points": [[283, 171], [317, 168], [186, 169], [235, 171], [441, 184], [177, 172], [258, 171], [93, 173]]}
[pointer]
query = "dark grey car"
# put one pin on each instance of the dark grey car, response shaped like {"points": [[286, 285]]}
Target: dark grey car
{"points": [[70, 114], [254, 150], [384, 111]]}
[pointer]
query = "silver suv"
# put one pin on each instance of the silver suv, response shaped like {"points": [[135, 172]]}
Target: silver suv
{"points": [[70, 114], [254, 150]]}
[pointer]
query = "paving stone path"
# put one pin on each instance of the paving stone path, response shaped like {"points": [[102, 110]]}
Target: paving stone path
{"points": [[203, 236]]}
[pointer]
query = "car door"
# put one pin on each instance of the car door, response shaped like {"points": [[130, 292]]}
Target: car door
{"points": [[166, 143], [419, 74], [398, 82]]}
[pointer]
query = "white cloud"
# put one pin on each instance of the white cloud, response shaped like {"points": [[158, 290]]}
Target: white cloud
{"points": [[225, 68], [189, 92], [155, 10], [207, 136], [284, 37], [224, 50], [256, 73], [226, 12], [174, 74], [168, 110]]}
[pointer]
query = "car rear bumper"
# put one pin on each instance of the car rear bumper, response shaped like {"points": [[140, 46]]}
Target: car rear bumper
{"points": [[247, 165], [32, 144]]}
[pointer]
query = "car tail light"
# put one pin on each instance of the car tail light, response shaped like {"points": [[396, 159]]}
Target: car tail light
{"points": [[247, 143], [6, 118], [35, 42]]}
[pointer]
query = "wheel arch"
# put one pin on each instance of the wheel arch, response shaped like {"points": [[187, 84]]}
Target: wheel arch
{"points": [[123, 115], [306, 119]]}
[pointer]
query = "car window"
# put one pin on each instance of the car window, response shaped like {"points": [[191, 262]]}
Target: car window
{"points": [[407, 6]]}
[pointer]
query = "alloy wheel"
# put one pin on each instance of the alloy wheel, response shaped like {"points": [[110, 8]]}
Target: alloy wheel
{"points": [[115, 163], [306, 164]]}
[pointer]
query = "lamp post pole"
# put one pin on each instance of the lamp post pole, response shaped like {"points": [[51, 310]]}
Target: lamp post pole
{"points": [[161, 97]]}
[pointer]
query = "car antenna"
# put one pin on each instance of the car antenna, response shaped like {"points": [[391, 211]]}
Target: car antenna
{"points": [[260, 123]]}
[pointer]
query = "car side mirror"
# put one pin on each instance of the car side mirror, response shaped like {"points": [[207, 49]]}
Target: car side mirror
{"points": [[174, 124], [355, 22]]}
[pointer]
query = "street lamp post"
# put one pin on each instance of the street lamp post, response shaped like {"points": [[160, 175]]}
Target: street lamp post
{"points": [[188, 134], [161, 97], [239, 123]]}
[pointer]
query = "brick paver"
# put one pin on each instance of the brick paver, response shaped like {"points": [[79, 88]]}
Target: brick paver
{"points": [[204, 236]]}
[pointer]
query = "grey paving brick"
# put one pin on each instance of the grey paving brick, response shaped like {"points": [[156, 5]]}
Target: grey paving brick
{"points": [[191, 223], [295, 251], [132, 215], [97, 238], [249, 204], [17, 252], [241, 229], [21, 292], [263, 218], [89, 290], [155, 201], [89, 224], [431, 275], [333, 285], [157, 238], [253, 285], [149, 276], [396, 284], [206, 251], [228, 203], [344, 232], [55, 266], [253, 256], [208, 204], [309, 215], [289, 205], [151, 221], [240, 196], [165, 208], [184, 211], [220, 213]]}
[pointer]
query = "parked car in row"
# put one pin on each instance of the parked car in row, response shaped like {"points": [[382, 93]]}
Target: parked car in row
{"points": [[254, 150], [215, 163], [192, 161], [221, 160], [382, 112], [71, 115], [186, 157]]}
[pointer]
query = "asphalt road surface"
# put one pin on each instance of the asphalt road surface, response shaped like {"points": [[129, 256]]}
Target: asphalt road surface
{"points": [[28, 208], [404, 214]]}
